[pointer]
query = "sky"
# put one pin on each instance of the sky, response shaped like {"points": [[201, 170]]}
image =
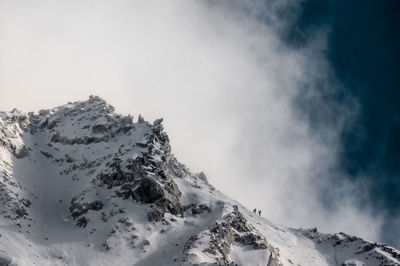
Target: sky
{"points": [[291, 107]]}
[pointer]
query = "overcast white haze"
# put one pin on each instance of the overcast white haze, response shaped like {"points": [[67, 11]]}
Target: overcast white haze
{"points": [[222, 80]]}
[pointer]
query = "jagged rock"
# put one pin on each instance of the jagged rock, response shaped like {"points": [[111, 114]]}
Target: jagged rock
{"points": [[155, 215], [142, 145], [82, 222], [86, 140], [46, 154], [140, 119], [341, 241], [142, 180], [27, 203], [126, 221], [234, 229], [21, 212], [99, 129], [128, 177], [157, 122], [203, 177], [250, 240], [78, 207], [199, 209]]}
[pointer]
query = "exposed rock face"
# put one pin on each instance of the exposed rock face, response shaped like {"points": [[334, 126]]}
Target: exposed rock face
{"points": [[12, 127], [81, 185], [343, 243], [148, 178], [232, 230], [143, 179], [78, 208], [201, 208]]}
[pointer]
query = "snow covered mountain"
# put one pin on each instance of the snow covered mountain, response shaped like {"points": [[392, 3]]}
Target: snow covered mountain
{"points": [[82, 185]]}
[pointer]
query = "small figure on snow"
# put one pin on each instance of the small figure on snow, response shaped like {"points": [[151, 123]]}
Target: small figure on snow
{"points": [[259, 212], [255, 211]]}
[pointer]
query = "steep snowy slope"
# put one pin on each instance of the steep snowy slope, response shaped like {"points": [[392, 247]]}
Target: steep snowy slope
{"points": [[82, 185]]}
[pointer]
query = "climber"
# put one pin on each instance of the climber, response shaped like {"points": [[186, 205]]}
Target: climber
{"points": [[255, 211], [259, 212]]}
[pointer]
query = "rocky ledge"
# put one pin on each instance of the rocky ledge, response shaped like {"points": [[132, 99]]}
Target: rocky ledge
{"points": [[218, 240]]}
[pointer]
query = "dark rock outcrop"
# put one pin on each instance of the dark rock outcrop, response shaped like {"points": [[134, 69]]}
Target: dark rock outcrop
{"points": [[200, 209], [148, 178], [233, 230], [78, 208]]}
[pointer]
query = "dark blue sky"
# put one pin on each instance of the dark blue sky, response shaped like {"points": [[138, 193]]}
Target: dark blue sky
{"points": [[364, 52]]}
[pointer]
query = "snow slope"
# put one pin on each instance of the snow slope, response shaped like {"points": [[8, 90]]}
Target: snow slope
{"points": [[82, 185]]}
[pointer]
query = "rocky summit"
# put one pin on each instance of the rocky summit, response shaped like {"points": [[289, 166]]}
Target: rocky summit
{"points": [[83, 185]]}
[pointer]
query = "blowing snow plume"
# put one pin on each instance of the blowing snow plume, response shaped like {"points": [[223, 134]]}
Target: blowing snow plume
{"points": [[237, 99]]}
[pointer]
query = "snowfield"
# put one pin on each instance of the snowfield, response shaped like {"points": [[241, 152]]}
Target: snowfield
{"points": [[82, 185]]}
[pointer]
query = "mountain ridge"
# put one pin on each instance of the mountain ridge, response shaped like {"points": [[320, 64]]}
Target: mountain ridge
{"points": [[83, 185]]}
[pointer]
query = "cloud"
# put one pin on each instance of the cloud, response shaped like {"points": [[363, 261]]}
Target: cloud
{"points": [[238, 102]]}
